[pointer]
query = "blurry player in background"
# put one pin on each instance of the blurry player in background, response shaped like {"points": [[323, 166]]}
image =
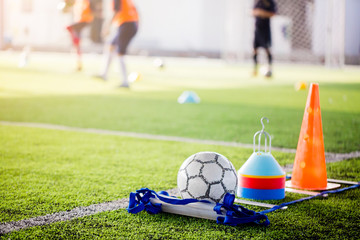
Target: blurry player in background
{"points": [[83, 16], [24, 57], [126, 20], [263, 11]]}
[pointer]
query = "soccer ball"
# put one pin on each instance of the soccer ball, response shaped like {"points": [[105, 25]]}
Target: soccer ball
{"points": [[159, 63], [65, 5], [207, 175], [266, 71], [134, 77]]}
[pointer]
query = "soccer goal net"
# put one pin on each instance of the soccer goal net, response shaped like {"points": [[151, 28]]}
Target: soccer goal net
{"points": [[304, 31], [315, 29]]}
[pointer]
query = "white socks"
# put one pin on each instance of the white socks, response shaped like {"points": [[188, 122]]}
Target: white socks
{"points": [[107, 60], [125, 82]]}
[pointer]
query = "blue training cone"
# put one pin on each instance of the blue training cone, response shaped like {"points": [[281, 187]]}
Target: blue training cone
{"points": [[188, 97], [261, 177]]}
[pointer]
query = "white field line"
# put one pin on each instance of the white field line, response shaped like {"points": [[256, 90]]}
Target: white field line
{"points": [[330, 157], [69, 215], [63, 216]]}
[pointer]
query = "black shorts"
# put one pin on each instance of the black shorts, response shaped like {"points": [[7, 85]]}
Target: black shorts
{"points": [[124, 34], [262, 37]]}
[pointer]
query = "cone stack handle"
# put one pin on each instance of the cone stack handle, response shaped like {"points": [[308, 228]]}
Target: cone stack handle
{"points": [[260, 133]]}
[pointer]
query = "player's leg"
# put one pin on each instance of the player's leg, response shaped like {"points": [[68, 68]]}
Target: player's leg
{"points": [[24, 57], [267, 46], [270, 59], [255, 59], [79, 64], [75, 30], [108, 56], [256, 45], [74, 36], [109, 52], [126, 33], [125, 82]]}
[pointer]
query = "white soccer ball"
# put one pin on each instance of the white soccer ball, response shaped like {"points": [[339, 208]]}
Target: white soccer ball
{"points": [[159, 63], [134, 77], [207, 175], [266, 71]]}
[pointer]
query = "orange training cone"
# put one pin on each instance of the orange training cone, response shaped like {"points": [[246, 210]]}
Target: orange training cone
{"points": [[309, 171]]}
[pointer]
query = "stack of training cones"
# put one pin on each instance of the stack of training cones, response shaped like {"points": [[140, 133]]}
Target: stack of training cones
{"points": [[309, 171], [261, 177]]}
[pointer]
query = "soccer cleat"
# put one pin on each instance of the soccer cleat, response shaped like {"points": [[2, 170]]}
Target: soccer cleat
{"points": [[101, 77], [79, 66], [124, 85], [268, 74]]}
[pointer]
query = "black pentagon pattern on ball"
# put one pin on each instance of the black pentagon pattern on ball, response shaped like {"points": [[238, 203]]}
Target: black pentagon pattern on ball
{"points": [[208, 195]]}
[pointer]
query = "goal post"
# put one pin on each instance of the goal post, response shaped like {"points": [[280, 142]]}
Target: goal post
{"points": [[335, 34]]}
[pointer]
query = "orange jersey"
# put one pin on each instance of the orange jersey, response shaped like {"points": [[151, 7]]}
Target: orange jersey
{"points": [[126, 13], [82, 11]]}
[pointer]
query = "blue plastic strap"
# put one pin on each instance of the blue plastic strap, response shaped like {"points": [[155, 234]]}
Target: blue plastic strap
{"points": [[134, 205], [237, 214], [140, 201]]}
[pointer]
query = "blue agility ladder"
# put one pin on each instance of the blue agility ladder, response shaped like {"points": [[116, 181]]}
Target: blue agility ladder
{"points": [[226, 213]]}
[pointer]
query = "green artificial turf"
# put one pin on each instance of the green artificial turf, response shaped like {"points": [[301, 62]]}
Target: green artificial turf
{"points": [[334, 217], [46, 171], [232, 103]]}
